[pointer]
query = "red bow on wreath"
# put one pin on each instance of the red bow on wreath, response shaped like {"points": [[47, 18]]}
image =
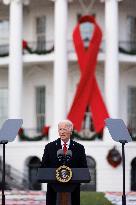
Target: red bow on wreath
{"points": [[24, 44], [45, 130]]}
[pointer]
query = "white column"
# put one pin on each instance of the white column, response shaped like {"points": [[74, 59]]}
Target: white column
{"points": [[15, 59], [111, 57], [111, 62], [60, 64]]}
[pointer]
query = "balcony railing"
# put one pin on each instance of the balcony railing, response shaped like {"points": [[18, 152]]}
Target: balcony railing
{"points": [[42, 47], [39, 48], [127, 47], [4, 50]]}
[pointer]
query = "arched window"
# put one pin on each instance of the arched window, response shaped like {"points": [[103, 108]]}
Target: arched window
{"points": [[33, 165], [133, 175], [91, 186]]}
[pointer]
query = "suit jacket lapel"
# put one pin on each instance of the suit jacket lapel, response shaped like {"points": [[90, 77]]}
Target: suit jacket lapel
{"points": [[58, 144], [71, 146]]}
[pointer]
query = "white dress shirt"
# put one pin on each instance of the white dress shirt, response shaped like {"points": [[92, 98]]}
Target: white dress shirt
{"points": [[67, 144]]}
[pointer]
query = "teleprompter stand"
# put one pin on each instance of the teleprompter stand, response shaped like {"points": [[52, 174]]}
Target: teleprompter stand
{"points": [[119, 133], [8, 133], [48, 175]]}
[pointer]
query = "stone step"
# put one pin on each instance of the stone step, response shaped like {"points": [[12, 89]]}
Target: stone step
{"points": [[16, 197], [25, 197], [116, 198]]}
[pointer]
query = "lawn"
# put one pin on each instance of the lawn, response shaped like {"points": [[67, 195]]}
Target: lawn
{"points": [[94, 198]]}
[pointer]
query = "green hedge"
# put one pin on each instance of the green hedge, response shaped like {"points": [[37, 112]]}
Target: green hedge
{"points": [[93, 198]]}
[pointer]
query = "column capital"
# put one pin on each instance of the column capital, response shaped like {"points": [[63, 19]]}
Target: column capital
{"points": [[65, 0], [25, 2], [108, 0]]}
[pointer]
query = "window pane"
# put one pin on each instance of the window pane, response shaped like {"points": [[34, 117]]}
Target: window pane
{"points": [[3, 105], [4, 32], [40, 24], [41, 32], [132, 32], [40, 107], [86, 30], [132, 110], [41, 44]]}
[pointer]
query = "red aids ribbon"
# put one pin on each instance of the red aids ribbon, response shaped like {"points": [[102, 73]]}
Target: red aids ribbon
{"points": [[88, 93]]}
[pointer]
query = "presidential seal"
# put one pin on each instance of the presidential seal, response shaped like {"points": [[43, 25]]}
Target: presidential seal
{"points": [[63, 174]]}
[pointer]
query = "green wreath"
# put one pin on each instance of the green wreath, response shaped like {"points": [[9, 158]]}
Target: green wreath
{"points": [[131, 52], [24, 137], [26, 47], [36, 51], [77, 135]]}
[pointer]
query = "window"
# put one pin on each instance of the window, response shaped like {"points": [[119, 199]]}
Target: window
{"points": [[133, 175], [40, 107], [86, 30], [132, 32], [41, 33], [132, 111], [33, 166], [4, 36], [87, 130], [3, 105], [4, 31], [88, 123], [91, 186]]}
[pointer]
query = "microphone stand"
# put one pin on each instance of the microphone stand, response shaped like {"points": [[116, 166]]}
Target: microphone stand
{"points": [[123, 162], [3, 172]]}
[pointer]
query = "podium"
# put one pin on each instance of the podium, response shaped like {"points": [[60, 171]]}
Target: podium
{"points": [[63, 190]]}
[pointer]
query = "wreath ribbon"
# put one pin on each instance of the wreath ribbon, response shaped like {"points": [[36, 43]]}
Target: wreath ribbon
{"points": [[88, 93]]}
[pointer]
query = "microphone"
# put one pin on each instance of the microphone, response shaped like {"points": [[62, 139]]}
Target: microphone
{"points": [[68, 155], [60, 155]]}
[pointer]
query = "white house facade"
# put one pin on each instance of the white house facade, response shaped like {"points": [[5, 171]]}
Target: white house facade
{"points": [[39, 74]]}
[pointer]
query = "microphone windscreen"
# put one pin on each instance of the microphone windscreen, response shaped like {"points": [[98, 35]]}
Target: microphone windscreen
{"points": [[69, 153], [60, 152]]}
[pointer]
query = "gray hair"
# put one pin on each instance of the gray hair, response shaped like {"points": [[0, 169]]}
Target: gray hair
{"points": [[68, 123]]}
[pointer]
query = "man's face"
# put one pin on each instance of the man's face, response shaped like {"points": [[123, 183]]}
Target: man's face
{"points": [[64, 132]]}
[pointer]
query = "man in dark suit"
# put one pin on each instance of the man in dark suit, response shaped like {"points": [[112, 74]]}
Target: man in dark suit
{"points": [[50, 159]]}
